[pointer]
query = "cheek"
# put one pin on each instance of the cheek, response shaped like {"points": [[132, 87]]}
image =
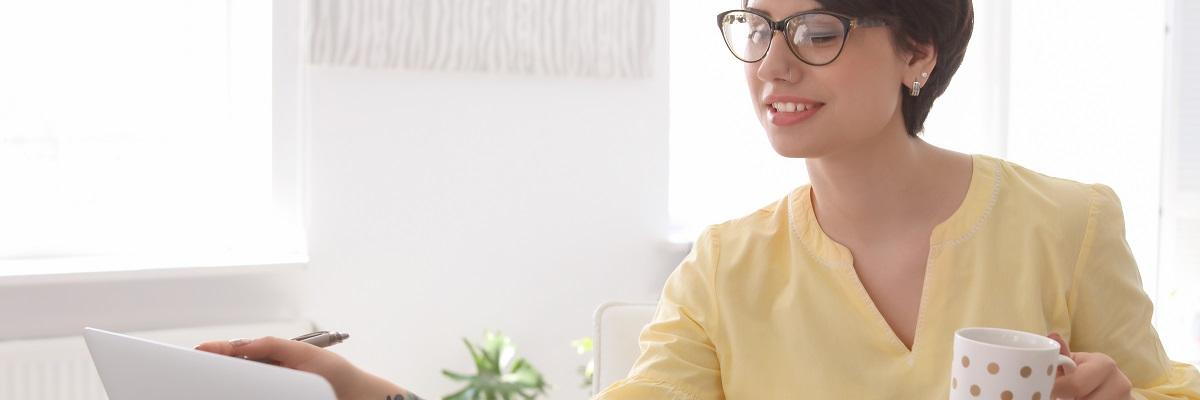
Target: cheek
{"points": [[752, 82], [866, 96], [755, 87]]}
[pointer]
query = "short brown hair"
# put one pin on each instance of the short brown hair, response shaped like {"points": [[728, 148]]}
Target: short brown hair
{"points": [[946, 24]]}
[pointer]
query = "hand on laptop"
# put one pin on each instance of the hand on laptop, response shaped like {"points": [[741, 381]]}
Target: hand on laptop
{"points": [[348, 381]]}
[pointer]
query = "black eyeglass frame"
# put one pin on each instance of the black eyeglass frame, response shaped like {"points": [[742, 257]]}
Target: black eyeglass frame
{"points": [[848, 24]]}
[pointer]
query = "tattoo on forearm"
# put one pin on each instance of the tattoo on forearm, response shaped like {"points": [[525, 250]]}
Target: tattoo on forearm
{"points": [[404, 396]]}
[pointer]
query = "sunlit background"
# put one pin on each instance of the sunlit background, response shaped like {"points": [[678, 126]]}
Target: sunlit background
{"points": [[185, 143]]}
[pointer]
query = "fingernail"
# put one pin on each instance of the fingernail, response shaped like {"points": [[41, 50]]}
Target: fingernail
{"points": [[240, 342]]}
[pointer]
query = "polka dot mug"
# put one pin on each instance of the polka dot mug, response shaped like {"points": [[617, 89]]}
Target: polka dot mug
{"points": [[1003, 364]]}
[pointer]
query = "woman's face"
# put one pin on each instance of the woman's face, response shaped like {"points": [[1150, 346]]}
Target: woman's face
{"points": [[850, 101]]}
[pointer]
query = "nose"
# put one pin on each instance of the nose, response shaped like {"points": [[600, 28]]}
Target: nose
{"points": [[779, 65]]}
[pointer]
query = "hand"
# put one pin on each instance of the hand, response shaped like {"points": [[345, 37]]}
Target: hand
{"points": [[1096, 378], [349, 382]]}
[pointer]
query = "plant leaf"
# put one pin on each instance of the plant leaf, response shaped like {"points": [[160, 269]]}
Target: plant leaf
{"points": [[459, 395], [500, 374], [507, 353], [582, 345], [475, 356], [457, 376]]}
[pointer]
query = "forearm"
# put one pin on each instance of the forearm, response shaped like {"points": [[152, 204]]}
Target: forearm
{"points": [[375, 388]]}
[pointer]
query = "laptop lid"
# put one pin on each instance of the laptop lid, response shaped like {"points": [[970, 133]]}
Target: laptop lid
{"points": [[133, 368]]}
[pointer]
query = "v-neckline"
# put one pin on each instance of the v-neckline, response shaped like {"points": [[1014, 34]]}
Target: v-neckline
{"points": [[974, 208]]}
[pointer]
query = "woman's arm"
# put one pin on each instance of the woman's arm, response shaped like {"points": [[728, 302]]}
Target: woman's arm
{"points": [[678, 360], [348, 381], [1110, 313]]}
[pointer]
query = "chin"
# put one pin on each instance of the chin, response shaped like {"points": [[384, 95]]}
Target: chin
{"points": [[799, 145]]}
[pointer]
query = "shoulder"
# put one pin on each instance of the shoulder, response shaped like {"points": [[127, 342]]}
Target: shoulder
{"points": [[1061, 215], [1037, 197], [770, 220], [1021, 183], [752, 240], [722, 248]]}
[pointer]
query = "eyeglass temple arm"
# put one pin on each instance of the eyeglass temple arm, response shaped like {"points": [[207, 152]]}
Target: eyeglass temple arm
{"points": [[866, 22]]}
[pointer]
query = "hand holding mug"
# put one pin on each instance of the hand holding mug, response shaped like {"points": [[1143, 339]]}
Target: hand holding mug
{"points": [[1096, 378]]}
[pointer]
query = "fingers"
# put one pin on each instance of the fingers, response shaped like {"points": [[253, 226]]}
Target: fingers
{"points": [[1112, 389], [1064, 348], [1095, 371], [223, 347], [285, 352]]}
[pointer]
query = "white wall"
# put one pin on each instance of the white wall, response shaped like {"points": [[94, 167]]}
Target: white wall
{"points": [[442, 205]]}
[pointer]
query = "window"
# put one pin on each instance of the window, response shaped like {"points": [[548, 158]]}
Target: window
{"points": [[137, 129], [1178, 312]]}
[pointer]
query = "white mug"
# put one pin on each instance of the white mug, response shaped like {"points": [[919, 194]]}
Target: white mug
{"points": [[1003, 364]]}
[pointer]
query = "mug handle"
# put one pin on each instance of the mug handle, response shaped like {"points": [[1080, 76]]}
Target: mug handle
{"points": [[1067, 364]]}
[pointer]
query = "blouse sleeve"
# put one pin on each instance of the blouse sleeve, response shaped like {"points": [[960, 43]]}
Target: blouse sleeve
{"points": [[1110, 313], [678, 359]]}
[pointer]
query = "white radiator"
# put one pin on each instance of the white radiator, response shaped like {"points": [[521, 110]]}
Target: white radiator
{"points": [[61, 369]]}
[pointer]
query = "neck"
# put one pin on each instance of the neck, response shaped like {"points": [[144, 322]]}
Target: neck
{"points": [[890, 183]]}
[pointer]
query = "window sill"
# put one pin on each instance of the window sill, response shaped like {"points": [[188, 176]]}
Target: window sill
{"points": [[128, 268], [58, 297]]}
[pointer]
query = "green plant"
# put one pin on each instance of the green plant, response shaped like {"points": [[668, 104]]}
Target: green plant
{"points": [[583, 345], [499, 374]]}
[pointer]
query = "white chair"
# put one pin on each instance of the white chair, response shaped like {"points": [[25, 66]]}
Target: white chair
{"points": [[618, 325]]}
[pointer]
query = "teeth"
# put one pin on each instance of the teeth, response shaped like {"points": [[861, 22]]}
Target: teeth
{"points": [[789, 107]]}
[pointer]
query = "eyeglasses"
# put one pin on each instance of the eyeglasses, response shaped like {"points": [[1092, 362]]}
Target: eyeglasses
{"points": [[815, 37]]}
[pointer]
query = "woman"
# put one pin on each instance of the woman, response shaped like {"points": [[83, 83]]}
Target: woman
{"points": [[853, 286]]}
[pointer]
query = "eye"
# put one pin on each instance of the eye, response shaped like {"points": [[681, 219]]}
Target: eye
{"points": [[757, 36], [815, 37], [822, 38]]}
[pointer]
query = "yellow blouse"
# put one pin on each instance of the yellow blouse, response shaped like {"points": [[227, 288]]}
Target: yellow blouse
{"points": [[769, 307]]}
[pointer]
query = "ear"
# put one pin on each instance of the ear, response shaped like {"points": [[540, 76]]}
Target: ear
{"points": [[921, 60]]}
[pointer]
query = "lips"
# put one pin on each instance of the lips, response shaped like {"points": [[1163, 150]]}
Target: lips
{"points": [[790, 110]]}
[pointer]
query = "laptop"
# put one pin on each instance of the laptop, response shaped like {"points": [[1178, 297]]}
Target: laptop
{"points": [[138, 369]]}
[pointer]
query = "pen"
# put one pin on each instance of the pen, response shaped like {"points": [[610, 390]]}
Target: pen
{"points": [[323, 338]]}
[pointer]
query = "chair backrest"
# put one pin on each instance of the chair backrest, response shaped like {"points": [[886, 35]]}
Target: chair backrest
{"points": [[618, 325]]}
